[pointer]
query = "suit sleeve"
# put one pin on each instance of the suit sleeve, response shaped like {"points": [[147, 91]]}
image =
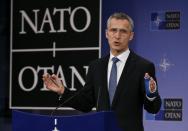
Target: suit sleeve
{"points": [[154, 105]]}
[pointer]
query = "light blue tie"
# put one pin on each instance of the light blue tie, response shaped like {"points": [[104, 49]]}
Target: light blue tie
{"points": [[113, 79]]}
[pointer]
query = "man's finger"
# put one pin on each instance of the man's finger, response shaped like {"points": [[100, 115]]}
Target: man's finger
{"points": [[146, 76]]}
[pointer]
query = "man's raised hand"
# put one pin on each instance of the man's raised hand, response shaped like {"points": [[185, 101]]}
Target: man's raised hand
{"points": [[53, 83]]}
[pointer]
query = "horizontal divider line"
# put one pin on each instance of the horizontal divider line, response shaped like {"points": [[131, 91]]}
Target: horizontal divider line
{"points": [[56, 49]]}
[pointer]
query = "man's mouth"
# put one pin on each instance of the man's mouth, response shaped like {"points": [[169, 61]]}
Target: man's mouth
{"points": [[116, 43]]}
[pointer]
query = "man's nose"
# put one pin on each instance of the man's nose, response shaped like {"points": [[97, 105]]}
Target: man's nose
{"points": [[118, 34]]}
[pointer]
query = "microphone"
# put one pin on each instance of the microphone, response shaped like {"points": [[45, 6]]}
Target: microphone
{"points": [[70, 98], [58, 83], [76, 94], [67, 100]]}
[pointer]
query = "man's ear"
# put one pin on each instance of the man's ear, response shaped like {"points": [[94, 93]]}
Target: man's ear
{"points": [[106, 33], [132, 36]]}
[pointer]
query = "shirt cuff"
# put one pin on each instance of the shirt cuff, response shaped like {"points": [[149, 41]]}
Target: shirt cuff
{"points": [[150, 98]]}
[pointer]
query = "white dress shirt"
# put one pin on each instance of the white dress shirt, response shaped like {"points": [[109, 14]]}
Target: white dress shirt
{"points": [[120, 64]]}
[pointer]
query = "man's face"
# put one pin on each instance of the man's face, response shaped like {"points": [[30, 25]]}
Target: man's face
{"points": [[119, 34]]}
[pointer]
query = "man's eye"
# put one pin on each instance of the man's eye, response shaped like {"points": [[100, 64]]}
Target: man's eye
{"points": [[123, 31], [113, 30]]}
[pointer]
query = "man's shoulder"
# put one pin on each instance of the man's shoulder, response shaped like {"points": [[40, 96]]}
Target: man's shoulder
{"points": [[140, 59], [100, 60], [98, 63]]}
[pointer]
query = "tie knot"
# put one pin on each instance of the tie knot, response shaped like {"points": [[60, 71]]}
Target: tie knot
{"points": [[115, 60]]}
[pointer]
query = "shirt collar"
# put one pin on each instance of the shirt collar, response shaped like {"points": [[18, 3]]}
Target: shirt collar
{"points": [[122, 57]]}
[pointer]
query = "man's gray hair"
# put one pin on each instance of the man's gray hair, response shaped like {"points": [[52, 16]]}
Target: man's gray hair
{"points": [[121, 16]]}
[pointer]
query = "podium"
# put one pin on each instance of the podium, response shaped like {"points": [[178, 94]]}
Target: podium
{"points": [[96, 121]]}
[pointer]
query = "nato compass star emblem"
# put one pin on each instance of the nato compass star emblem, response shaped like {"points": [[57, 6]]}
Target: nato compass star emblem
{"points": [[158, 20], [165, 64]]}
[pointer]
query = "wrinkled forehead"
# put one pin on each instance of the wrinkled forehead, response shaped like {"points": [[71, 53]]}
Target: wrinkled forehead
{"points": [[119, 24]]}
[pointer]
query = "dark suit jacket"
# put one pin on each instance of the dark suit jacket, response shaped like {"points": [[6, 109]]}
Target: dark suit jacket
{"points": [[129, 99]]}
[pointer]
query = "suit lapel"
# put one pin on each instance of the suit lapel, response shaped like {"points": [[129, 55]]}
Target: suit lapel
{"points": [[128, 68]]}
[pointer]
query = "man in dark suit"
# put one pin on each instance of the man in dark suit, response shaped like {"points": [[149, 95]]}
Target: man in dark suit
{"points": [[122, 81]]}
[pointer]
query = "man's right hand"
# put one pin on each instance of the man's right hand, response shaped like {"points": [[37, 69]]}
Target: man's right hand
{"points": [[53, 83]]}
